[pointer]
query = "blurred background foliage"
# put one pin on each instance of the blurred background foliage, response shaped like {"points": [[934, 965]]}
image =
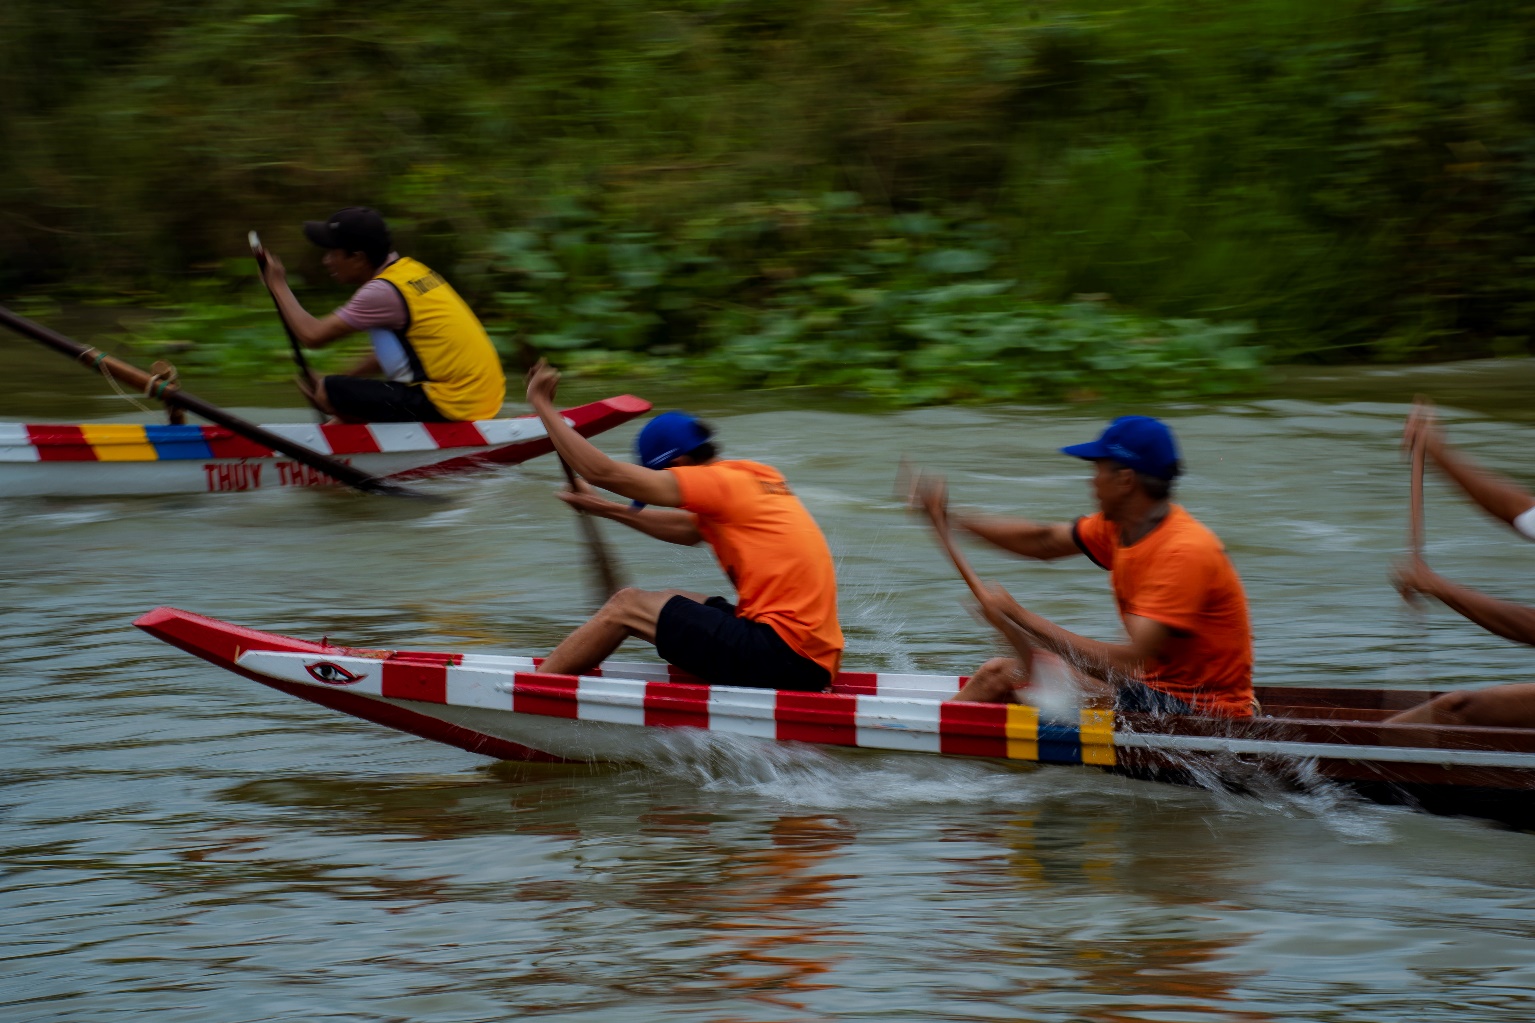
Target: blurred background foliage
{"points": [[924, 199]]}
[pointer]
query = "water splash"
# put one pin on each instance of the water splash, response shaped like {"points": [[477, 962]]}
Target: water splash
{"points": [[800, 775], [1241, 786], [1054, 690]]}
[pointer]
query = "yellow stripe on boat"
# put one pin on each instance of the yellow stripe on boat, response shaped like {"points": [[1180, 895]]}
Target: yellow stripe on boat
{"points": [[1098, 737], [119, 442], [1022, 731]]}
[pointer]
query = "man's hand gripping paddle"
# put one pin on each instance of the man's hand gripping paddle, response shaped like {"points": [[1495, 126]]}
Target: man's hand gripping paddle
{"points": [[306, 377]]}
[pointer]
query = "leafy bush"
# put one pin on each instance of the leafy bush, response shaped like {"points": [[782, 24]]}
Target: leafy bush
{"points": [[780, 295], [822, 294], [1353, 177]]}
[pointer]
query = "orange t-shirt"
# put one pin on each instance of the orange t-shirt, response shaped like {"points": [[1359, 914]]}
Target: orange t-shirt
{"points": [[771, 549], [1179, 575]]}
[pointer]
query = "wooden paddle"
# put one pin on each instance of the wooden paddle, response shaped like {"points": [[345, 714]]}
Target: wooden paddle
{"points": [[601, 564], [163, 390], [1415, 512], [603, 570], [1415, 507], [932, 499], [259, 252]]}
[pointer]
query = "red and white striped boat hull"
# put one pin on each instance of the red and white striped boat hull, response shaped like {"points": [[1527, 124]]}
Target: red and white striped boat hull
{"points": [[503, 707], [121, 459]]}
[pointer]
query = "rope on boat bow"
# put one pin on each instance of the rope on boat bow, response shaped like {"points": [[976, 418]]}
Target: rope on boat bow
{"points": [[162, 377]]}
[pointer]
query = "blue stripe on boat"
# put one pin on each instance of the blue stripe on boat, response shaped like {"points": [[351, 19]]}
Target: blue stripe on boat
{"points": [[178, 442], [1060, 744]]}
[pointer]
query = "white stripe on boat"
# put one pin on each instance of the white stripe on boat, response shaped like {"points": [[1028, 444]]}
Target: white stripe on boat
{"points": [[401, 436]]}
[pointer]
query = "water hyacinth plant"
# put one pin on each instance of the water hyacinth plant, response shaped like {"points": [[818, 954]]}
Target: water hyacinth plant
{"points": [[820, 294]]}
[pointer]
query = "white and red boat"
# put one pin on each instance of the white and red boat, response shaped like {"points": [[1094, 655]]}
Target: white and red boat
{"points": [[114, 459], [503, 707]]}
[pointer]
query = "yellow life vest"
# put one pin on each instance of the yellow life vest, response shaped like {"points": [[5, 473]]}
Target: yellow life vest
{"points": [[446, 344]]}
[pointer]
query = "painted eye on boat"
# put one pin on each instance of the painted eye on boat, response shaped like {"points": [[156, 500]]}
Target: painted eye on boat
{"points": [[332, 674]]}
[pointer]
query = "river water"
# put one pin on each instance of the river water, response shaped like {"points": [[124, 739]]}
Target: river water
{"points": [[179, 844]]}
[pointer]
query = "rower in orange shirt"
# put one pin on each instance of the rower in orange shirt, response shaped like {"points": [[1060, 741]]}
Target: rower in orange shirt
{"points": [[782, 631], [1188, 646]]}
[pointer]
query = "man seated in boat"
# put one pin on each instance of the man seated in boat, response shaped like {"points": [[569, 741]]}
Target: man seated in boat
{"points": [[1510, 706], [438, 364], [1188, 645], [782, 631]]}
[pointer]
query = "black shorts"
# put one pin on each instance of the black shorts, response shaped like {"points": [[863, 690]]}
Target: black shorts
{"points": [[380, 401], [709, 641], [1139, 698]]}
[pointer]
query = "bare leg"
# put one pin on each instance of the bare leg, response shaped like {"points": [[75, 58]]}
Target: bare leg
{"points": [[1003, 680], [315, 392], [996, 681], [629, 612], [1499, 707]]}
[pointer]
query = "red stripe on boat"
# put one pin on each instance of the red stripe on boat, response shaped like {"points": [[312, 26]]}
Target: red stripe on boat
{"points": [[59, 443], [223, 444], [676, 674], [221, 643], [552, 696], [817, 717], [972, 729], [676, 705], [456, 435], [430, 656], [866, 682], [415, 680], [349, 438]]}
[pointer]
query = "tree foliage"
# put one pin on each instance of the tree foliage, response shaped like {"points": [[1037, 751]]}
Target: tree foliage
{"points": [[1352, 176]]}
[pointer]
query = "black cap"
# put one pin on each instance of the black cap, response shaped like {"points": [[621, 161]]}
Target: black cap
{"points": [[355, 229]]}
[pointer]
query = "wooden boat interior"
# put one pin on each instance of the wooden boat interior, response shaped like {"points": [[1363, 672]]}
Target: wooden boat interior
{"points": [[1358, 704]]}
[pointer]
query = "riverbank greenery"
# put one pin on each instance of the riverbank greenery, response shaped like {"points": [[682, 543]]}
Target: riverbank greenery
{"points": [[904, 198], [776, 295]]}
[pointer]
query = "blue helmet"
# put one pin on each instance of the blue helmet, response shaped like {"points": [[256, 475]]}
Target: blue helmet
{"points": [[1137, 442], [668, 436]]}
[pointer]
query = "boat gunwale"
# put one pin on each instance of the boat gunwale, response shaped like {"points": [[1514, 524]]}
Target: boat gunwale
{"points": [[1445, 746]]}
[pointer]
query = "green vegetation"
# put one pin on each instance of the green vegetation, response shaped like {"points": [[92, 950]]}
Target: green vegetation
{"points": [[905, 198]]}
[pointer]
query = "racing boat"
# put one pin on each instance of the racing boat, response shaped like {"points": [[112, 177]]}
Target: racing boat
{"points": [[115, 459], [504, 707]]}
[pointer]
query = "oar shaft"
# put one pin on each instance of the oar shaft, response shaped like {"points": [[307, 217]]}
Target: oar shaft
{"points": [[607, 574], [171, 395], [259, 252], [946, 541], [1415, 507], [1012, 631]]}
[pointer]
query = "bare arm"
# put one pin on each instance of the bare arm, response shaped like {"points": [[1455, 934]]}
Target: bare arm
{"points": [[1112, 662], [670, 524], [1043, 541], [311, 332], [651, 486], [366, 367], [1498, 496], [1499, 617]]}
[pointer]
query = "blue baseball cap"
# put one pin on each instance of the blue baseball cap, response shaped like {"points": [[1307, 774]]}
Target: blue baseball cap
{"points": [[666, 437], [1137, 442]]}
